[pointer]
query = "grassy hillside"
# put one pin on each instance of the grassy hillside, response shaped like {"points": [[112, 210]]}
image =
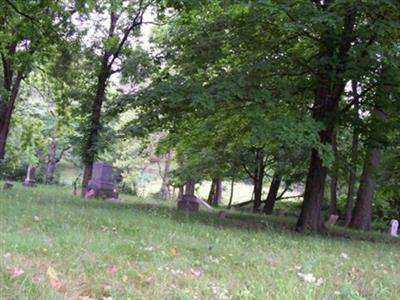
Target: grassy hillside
{"points": [[57, 246]]}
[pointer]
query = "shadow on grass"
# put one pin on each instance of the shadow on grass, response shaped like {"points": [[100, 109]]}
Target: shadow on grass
{"points": [[230, 219]]}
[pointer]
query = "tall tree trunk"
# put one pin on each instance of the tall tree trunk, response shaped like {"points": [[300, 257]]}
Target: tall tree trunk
{"points": [[258, 180], [189, 187], [325, 106], [330, 86], [334, 179], [7, 109], [212, 191], [51, 161], [272, 193], [231, 195], [354, 152], [218, 192], [165, 188], [90, 147], [362, 213]]}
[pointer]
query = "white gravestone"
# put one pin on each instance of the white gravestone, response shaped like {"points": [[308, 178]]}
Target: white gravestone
{"points": [[30, 176], [394, 226]]}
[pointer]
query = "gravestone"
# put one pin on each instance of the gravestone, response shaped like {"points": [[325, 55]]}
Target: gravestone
{"points": [[30, 176], [333, 219], [188, 202], [8, 185], [394, 226], [101, 182]]}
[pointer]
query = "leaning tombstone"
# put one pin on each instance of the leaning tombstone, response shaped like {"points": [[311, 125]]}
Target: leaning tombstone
{"points": [[394, 226], [101, 182], [8, 185], [189, 203], [333, 219], [30, 176]]}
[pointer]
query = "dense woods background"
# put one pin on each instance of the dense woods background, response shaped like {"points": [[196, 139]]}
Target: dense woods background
{"points": [[295, 98]]}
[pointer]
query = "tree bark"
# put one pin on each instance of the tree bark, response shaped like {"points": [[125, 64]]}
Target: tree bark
{"points": [[231, 195], [87, 175], [353, 162], [7, 108], [325, 106], [189, 187], [362, 213], [165, 191], [217, 193], [272, 193], [212, 191], [51, 161], [334, 180], [258, 180]]}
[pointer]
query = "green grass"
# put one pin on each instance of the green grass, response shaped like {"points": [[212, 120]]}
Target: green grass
{"points": [[160, 253]]}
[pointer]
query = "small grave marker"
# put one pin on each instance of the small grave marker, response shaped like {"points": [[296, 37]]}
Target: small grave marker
{"points": [[394, 226], [30, 176], [8, 185], [333, 219]]}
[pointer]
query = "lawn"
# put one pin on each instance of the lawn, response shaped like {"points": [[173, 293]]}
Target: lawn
{"points": [[57, 246]]}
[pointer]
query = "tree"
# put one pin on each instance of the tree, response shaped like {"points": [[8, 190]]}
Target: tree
{"points": [[382, 100], [125, 19], [30, 33]]}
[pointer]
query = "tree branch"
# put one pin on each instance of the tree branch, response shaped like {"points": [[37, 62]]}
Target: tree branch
{"points": [[65, 149], [20, 12]]}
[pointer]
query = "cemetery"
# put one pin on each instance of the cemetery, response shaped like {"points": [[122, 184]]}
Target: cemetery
{"points": [[212, 149]]}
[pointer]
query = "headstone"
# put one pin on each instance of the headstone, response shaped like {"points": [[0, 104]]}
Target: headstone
{"points": [[394, 226], [101, 182], [333, 219], [188, 202], [204, 203], [30, 176], [8, 185]]}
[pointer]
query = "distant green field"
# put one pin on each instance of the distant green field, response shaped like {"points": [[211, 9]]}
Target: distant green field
{"points": [[57, 246]]}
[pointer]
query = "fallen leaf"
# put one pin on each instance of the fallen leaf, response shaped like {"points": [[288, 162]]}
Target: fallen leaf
{"points": [[54, 281], [15, 272], [112, 269], [173, 251], [196, 273]]}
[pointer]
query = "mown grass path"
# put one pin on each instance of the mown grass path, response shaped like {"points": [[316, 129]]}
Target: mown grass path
{"points": [[144, 249]]}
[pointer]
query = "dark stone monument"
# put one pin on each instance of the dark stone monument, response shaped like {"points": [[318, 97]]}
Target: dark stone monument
{"points": [[30, 176], [101, 182], [8, 185], [188, 202]]}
